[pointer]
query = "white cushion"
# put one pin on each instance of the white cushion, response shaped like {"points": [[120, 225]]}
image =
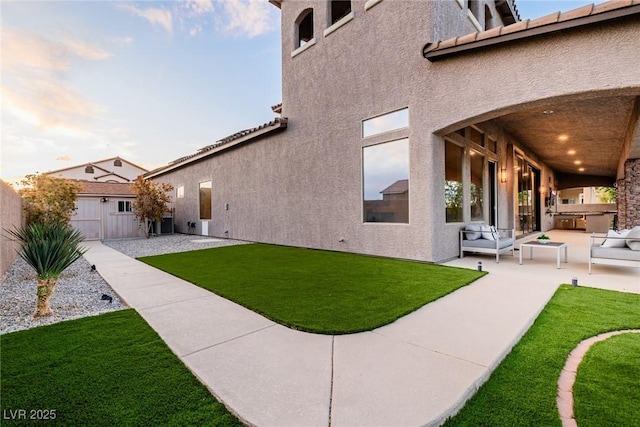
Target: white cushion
{"points": [[488, 232], [473, 227], [633, 238], [616, 243]]}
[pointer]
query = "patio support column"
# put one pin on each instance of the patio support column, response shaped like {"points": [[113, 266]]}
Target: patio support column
{"points": [[628, 195]]}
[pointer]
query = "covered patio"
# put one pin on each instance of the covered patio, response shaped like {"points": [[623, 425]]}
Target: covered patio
{"points": [[543, 266]]}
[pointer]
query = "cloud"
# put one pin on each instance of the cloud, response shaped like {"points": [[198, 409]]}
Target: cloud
{"points": [[34, 87], [65, 158], [154, 15], [251, 18]]}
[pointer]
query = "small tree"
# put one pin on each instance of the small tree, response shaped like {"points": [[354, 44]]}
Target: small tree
{"points": [[606, 194], [49, 248], [152, 201], [49, 199]]}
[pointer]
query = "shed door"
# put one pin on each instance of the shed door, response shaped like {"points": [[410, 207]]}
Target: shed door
{"points": [[88, 219]]}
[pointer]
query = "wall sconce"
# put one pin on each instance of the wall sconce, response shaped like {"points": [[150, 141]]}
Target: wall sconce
{"points": [[503, 175], [105, 200]]}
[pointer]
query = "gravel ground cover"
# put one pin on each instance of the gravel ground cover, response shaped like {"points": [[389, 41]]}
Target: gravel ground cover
{"points": [[79, 290], [78, 294]]}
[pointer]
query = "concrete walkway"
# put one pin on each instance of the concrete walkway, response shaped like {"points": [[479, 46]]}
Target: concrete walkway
{"points": [[416, 371]]}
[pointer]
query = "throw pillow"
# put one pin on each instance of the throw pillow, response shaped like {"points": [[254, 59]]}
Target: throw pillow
{"points": [[620, 242], [473, 236], [488, 232], [633, 238]]}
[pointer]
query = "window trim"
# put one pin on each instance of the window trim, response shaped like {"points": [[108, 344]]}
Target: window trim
{"points": [[341, 22], [474, 21], [304, 47], [370, 3]]}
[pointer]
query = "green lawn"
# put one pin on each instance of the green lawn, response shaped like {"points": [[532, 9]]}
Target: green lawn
{"points": [[316, 291], [607, 389], [522, 391], [108, 370]]}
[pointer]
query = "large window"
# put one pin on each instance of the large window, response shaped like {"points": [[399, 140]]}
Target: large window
{"points": [[386, 182], [453, 182], [205, 200], [477, 187], [385, 123]]}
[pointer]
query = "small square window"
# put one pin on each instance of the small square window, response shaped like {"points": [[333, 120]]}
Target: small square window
{"points": [[88, 169], [180, 192], [124, 206]]}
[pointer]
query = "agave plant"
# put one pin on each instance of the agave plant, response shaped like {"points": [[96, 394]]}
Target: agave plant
{"points": [[49, 248]]}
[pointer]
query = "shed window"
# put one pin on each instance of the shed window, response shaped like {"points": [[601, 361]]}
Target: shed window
{"points": [[339, 9], [124, 206], [304, 25], [117, 163]]}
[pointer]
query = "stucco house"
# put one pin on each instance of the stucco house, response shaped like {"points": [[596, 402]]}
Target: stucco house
{"points": [[105, 201], [481, 115]]}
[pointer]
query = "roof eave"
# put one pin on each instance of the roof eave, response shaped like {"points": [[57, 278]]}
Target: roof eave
{"points": [[440, 54], [279, 123]]}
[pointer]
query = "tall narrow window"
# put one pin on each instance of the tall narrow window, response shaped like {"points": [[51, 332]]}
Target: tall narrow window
{"points": [[453, 182], [304, 27], [386, 182], [487, 18], [339, 9], [477, 186], [205, 200]]}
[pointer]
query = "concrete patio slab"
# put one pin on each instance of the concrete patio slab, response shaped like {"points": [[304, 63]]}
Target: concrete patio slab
{"points": [[272, 377], [209, 321], [381, 381], [477, 323]]}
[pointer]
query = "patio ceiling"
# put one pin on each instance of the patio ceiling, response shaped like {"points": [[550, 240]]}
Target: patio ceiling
{"points": [[579, 138]]}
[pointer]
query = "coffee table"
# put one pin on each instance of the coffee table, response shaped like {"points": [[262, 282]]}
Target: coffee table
{"points": [[551, 245]]}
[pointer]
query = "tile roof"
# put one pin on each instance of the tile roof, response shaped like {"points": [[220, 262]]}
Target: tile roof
{"points": [[277, 108], [106, 188], [554, 22], [226, 142], [398, 187]]}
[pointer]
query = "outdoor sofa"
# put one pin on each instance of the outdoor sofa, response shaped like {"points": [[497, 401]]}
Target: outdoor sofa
{"points": [[485, 239], [615, 248]]}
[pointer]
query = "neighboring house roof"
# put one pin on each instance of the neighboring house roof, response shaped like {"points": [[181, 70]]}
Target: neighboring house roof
{"points": [[554, 22], [277, 108], [110, 174], [90, 188], [94, 163], [279, 123], [398, 187]]}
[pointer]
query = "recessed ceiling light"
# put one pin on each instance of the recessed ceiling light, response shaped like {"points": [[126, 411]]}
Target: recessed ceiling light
{"points": [[577, 162], [571, 152], [581, 169], [563, 137], [547, 112]]}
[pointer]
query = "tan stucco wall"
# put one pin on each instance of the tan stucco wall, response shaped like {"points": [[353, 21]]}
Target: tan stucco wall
{"points": [[303, 187], [11, 215]]}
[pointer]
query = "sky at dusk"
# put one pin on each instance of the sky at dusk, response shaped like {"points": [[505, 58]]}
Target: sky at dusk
{"points": [[148, 81]]}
